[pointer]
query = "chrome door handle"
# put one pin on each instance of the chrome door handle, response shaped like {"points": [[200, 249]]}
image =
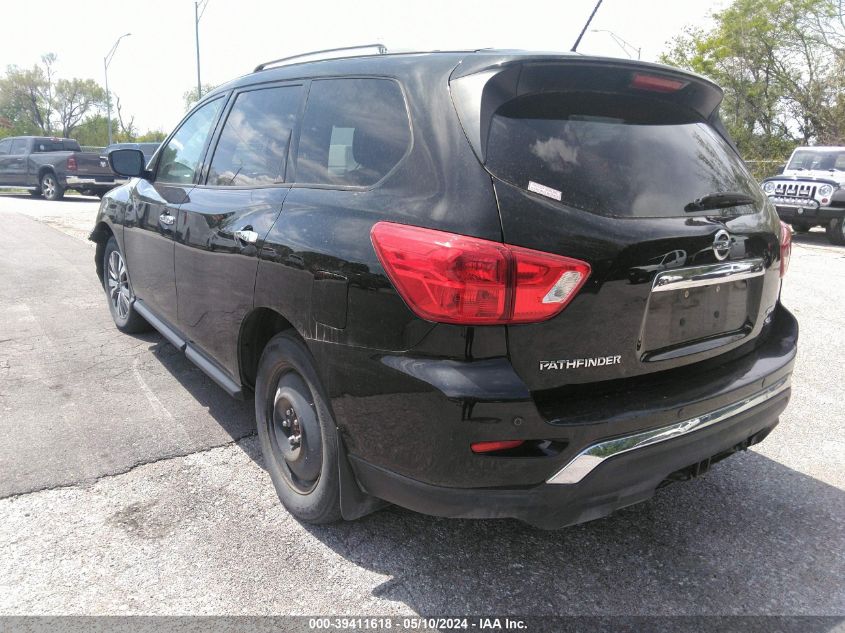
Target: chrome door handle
{"points": [[249, 237], [166, 218]]}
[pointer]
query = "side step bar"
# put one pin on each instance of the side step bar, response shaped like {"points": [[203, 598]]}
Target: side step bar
{"points": [[210, 368]]}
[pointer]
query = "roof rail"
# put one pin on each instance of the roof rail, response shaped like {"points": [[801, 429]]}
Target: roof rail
{"points": [[381, 48]]}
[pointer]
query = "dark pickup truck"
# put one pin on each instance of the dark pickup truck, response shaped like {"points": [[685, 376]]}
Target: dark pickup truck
{"points": [[48, 166]]}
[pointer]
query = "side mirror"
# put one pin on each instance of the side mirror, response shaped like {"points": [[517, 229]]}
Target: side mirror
{"points": [[127, 162]]}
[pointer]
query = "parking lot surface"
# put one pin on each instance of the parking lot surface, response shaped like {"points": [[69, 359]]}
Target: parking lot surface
{"points": [[132, 484]]}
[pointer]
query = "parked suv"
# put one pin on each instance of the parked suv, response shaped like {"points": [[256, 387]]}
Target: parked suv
{"points": [[811, 191], [436, 274]]}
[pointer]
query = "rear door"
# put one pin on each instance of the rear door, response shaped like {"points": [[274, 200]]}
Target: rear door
{"points": [[15, 170], [604, 162], [150, 221], [222, 225]]}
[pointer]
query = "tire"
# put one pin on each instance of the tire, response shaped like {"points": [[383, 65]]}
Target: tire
{"points": [[50, 187], [119, 292], [297, 432], [836, 231], [801, 227]]}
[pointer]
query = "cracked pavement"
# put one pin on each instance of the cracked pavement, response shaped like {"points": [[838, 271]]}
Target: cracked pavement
{"points": [[131, 484]]}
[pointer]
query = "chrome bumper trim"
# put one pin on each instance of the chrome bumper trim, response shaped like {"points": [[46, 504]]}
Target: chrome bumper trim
{"points": [[76, 180], [587, 460], [708, 275]]}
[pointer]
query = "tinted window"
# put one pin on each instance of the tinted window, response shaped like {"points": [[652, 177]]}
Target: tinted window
{"points": [[19, 146], [612, 154], [47, 145], [71, 146], [5, 146], [353, 133], [253, 145], [183, 152]]}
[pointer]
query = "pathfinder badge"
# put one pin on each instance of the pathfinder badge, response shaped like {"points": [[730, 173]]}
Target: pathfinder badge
{"points": [[579, 363]]}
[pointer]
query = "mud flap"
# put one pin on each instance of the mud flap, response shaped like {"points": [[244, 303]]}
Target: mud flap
{"points": [[354, 502]]}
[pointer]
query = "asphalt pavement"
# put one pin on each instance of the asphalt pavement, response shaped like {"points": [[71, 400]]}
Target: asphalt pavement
{"points": [[131, 484]]}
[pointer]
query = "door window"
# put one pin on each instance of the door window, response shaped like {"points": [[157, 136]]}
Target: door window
{"points": [[183, 151], [353, 133], [5, 146], [253, 145], [19, 146]]}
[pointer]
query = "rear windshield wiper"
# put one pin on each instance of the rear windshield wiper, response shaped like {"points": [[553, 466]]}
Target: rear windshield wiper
{"points": [[719, 200]]}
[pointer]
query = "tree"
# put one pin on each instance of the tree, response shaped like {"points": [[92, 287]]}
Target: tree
{"points": [[781, 65], [190, 97], [34, 101]]}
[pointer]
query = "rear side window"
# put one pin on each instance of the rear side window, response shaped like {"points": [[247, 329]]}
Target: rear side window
{"points": [[253, 145], [19, 146], [353, 133], [613, 154]]}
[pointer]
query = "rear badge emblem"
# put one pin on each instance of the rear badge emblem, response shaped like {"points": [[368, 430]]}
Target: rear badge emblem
{"points": [[722, 243], [580, 363]]}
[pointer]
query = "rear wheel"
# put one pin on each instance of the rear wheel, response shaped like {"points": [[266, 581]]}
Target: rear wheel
{"points": [[119, 291], [836, 231], [296, 431], [50, 187]]}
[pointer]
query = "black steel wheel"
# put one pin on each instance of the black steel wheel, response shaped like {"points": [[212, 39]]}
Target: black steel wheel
{"points": [[296, 431]]}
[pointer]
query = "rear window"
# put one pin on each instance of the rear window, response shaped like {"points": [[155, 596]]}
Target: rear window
{"points": [[353, 133], [613, 154], [55, 145]]}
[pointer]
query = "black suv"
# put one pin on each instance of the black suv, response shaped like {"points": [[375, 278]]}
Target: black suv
{"points": [[473, 284]]}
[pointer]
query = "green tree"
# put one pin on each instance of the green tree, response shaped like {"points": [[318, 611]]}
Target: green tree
{"points": [[781, 65], [190, 97]]}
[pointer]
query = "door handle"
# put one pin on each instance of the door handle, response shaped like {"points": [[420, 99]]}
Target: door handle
{"points": [[166, 219], [247, 236]]}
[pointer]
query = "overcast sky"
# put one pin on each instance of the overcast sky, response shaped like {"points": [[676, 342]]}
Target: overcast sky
{"points": [[157, 63]]}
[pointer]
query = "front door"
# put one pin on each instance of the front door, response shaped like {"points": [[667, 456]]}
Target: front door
{"points": [[223, 224], [150, 223]]}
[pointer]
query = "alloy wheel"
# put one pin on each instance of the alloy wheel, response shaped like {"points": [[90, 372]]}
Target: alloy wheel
{"points": [[118, 283], [48, 186]]}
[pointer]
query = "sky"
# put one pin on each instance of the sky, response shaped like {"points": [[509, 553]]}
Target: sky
{"points": [[156, 65]]}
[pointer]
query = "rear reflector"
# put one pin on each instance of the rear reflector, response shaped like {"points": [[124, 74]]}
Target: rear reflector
{"points": [[71, 163], [656, 83], [490, 447], [785, 247], [449, 278]]}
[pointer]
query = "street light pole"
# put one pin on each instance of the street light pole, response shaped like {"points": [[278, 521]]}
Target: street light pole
{"points": [[106, 61], [621, 42], [199, 9]]}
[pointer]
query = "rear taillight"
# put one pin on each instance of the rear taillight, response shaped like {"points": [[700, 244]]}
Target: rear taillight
{"points": [[71, 163], [785, 247], [451, 278]]}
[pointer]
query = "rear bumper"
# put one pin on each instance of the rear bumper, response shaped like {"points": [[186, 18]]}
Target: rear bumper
{"points": [[619, 481], [413, 450], [92, 182]]}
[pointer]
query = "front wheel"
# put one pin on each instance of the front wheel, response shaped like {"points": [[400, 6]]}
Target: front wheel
{"points": [[297, 433], [836, 231], [119, 291], [50, 187]]}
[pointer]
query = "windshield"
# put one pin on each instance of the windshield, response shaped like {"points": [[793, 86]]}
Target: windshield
{"points": [[820, 160], [614, 154]]}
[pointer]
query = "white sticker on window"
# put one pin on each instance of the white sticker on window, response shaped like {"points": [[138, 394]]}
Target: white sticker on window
{"points": [[543, 190]]}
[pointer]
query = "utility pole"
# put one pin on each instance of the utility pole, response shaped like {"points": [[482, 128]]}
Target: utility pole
{"points": [[106, 61], [199, 9]]}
